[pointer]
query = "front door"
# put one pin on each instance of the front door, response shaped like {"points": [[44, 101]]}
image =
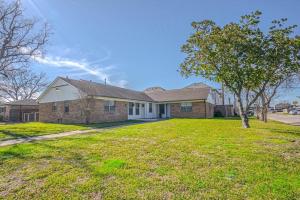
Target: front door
{"points": [[142, 110], [29, 117], [161, 110]]}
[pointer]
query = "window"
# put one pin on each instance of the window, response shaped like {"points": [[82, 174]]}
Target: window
{"points": [[137, 109], [54, 106], [2, 109], [130, 108], [186, 107], [109, 106], [150, 107], [66, 107]]}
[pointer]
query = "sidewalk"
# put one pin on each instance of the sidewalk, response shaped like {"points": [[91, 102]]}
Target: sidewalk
{"points": [[59, 135], [45, 137], [285, 118]]}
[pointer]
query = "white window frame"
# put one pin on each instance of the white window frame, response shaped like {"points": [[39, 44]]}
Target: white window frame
{"points": [[132, 107], [109, 106], [186, 107], [137, 109], [150, 106], [54, 107]]}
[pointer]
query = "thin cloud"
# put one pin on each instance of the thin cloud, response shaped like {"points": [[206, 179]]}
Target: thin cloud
{"points": [[82, 67]]}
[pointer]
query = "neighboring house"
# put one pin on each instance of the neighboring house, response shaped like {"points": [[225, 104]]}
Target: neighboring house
{"points": [[20, 111], [281, 106], [62, 102]]}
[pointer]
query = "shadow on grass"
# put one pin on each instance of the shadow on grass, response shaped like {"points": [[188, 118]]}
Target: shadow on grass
{"points": [[293, 132], [67, 155], [10, 154], [11, 135], [110, 124], [228, 118]]}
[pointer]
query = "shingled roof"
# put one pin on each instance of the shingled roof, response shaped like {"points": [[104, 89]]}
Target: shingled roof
{"points": [[156, 95], [184, 94], [98, 89]]}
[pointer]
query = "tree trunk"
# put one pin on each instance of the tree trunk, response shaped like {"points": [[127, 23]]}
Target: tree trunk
{"points": [[262, 115], [262, 112], [257, 112], [245, 121], [243, 114], [265, 111], [87, 119]]}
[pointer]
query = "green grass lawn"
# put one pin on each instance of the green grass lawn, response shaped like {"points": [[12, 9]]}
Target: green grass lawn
{"points": [[172, 159], [21, 130]]}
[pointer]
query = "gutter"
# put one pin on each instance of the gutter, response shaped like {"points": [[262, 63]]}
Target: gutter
{"points": [[205, 108]]}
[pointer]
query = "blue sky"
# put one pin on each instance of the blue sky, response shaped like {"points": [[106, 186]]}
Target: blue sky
{"points": [[136, 43]]}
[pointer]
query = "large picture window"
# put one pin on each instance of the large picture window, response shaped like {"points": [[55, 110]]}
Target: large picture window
{"points": [[109, 106], [150, 107], [137, 109], [186, 107], [130, 108]]}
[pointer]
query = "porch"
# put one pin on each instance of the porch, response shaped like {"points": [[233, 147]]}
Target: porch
{"points": [[148, 110]]}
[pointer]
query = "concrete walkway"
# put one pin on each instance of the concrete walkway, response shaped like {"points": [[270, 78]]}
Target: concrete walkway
{"points": [[285, 118], [45, 137], [59, 135]]}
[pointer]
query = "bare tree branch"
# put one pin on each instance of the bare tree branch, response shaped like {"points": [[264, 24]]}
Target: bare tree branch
{"points": [[22, 84], [19, 38]]}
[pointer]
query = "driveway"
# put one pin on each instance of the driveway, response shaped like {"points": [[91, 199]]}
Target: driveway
{"points": [[285, 118]]}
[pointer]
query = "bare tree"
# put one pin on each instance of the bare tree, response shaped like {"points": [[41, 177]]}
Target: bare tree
{"points": [[22, 84], [295, 103], [86, 103], [20, 40], [271, 91]]}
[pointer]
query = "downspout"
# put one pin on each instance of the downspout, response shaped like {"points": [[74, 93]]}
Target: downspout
{"points": [[205, 107], [20, 114]]}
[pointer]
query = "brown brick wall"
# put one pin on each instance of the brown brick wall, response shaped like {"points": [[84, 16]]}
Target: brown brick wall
{"points": [[76, 116], [198, 110], [210, 110]]}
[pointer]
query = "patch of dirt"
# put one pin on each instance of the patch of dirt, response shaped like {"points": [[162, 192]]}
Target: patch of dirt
{"points": [[96, 196], [13, 183], [199, 155], [293, 151]]}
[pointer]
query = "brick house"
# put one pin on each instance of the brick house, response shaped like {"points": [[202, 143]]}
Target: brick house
{"points": [[62, 102], [20, 111]]}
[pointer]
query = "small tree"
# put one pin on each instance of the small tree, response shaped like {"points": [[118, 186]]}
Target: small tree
{"points": [[228, 55], [20, 40], [281, 61], [242, 57], [22, 84]]}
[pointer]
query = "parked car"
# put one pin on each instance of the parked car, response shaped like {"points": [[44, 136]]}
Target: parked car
{"points": [[294, 112], [250, 113]]}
